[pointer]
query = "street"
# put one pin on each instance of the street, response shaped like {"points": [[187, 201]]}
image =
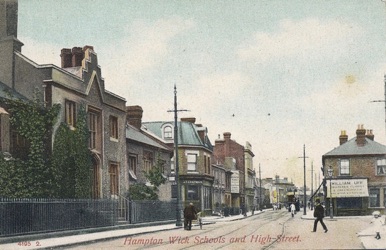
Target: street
{"points": [[269, 230]]}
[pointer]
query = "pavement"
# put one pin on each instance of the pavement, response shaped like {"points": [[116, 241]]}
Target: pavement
{"points": [[61, 240]]}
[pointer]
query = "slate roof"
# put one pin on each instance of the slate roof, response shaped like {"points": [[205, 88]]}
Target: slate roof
{"points": [[187, 133], [132, 133], [351, 148]]}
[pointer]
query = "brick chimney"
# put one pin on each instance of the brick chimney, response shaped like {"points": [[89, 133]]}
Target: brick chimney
{"points": [[361, 136], [77, 56], [369, 134], [343, 137], [189, 119], [134, 116], [201, 132], [73, 57], [227, 136], [66, 56]]}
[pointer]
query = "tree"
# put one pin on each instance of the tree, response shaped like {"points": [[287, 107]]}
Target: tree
{"points": [[140, 191]]}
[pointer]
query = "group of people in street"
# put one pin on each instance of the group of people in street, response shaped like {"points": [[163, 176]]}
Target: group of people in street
{"points": [[190, 213]]}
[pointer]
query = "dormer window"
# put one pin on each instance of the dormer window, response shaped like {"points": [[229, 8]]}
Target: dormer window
{"points": [[168, 132]]}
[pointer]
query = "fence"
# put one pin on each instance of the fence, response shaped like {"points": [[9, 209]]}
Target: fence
{"points": [[149, 211], [23, 216]]}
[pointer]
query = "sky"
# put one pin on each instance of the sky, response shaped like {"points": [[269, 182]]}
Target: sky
{"points": [[286, 76]]}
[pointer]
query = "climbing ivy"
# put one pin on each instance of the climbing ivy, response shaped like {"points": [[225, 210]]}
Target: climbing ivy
{"points": [[33, 175], [62, 173], [72, 159]]}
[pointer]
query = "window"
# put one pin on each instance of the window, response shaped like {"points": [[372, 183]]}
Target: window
{"points": [[113, 121], [192, 162], [168, 132], [374, 197], [192, 192], [344, 167], [133, 163], [133, 166], [19, 145], [381, 167], [113, 172], [384, 197], [94, 129], [70, 113], [207, 198], [147, 161]]}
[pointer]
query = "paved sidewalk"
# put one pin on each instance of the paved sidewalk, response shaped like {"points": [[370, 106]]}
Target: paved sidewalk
{"points": [[368, 235], [63, 241]]}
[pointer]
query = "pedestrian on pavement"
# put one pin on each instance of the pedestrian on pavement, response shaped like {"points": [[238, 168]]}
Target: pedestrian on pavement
{"points": [[190, 213], [293, 209], [319, 214]]}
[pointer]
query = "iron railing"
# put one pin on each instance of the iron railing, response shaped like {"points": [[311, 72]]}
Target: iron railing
{"points": [[24, 216]]}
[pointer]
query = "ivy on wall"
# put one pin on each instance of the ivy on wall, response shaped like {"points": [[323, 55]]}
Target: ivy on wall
{"points": [[72, 159], [63, 172], [31, 177]]}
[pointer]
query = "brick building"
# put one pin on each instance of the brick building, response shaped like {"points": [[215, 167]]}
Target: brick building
{"points": [[229, 153], [358, 181]]}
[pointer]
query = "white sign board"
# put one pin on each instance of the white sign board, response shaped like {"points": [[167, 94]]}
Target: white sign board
{"points": [[347, 188], [235, 182]]}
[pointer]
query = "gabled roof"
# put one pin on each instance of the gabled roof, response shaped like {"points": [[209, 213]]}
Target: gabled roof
{"points": [[132, 133], [351, 148], [187, 133]]}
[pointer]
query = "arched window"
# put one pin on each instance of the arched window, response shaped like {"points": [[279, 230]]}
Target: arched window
{"points": [[168, 132]]}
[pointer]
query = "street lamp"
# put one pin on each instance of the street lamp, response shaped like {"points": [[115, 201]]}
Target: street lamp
{"points": [[330, 173]]}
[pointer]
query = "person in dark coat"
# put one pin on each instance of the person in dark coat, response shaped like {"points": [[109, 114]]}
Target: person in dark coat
{"points": [[190, 214], [319, 215]]}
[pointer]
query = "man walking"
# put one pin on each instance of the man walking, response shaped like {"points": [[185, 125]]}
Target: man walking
{"points": [[190, 214], [319, 214]]}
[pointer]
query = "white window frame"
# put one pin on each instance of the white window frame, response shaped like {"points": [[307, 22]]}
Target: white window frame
{"points": [[344, 169], [381, 166]]}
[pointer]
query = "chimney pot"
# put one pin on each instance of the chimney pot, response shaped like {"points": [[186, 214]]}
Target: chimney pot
{"points": [[343, 137]]}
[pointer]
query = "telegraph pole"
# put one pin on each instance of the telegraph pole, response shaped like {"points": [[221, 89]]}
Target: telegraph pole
{"points": [[178, 207], [304, 186], [312, 185], [260, 206]]}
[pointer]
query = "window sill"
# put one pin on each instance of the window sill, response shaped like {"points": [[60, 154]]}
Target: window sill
{"points": [[193, 172], [113, 139]]}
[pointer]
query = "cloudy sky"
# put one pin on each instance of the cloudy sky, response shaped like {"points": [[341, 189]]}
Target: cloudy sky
{"points": [[279, 74]]}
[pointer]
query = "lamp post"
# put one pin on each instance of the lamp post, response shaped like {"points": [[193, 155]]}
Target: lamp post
{"points": [[330, 173]]}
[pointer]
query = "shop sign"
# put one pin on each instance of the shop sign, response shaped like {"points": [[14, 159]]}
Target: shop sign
{"points": [[192, 182], [347, 188], [235, 182]]}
